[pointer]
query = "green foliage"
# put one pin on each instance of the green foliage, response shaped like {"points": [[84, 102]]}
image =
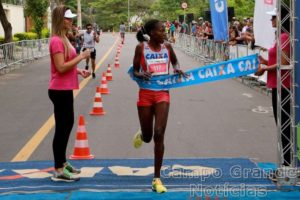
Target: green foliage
{"points": [[31, 36], [242, 8], [20, 36], [45, 33], [36, 10], [72, 4], [15, 39], [110, 13], [26, 36], [171, 9]]}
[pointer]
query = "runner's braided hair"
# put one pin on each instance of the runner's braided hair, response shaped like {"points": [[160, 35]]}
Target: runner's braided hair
{"points": [[144, 34]]}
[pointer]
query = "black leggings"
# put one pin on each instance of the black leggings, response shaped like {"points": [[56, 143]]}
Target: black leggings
{"points": [[64, 120], [286, 135]]}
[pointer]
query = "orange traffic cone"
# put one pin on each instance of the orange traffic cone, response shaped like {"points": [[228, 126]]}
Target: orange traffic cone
{"points": [[81, 148], [118, 50], [103, 86], [117, 64], [98, 106], [109, 76]]}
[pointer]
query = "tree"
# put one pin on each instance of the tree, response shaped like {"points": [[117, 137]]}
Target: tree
{"points": [[141, 9], [170, 9], [110, 13], [5, 24], [36, 10], [242, 8], [167, 9]]}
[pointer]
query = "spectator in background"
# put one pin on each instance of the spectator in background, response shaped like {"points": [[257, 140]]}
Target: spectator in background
{"points": [[200, 21], [245, 23], [177, 27], [233, 19], [172, 31], [167, 28], [208, 32], [233, 34], [184, 28], [199, 33], [194, 28]]}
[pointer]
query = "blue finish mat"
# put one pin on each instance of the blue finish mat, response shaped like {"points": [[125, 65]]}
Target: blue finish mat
{"points": [[270, 195], [135, 175]]}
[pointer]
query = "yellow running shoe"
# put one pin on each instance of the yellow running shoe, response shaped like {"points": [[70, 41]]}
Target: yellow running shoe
{"points": [[137, 139], [157, 186]]}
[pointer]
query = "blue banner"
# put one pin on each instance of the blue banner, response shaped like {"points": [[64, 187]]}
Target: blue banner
{"points": [[219, 71], [219, 17]]}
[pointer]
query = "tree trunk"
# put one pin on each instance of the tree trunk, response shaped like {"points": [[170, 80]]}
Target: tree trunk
{"points": [[6, 25]]}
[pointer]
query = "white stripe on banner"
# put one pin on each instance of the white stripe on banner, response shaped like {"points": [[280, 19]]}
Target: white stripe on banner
{"points": [[81, 129], [219, 71], [98, 104], [81, 143]]}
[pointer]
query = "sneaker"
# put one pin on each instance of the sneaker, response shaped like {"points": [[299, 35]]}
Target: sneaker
{"points": [[86, 67], [157, 186], [64, 176], [93, 75], [72, 169], [137, 139]]}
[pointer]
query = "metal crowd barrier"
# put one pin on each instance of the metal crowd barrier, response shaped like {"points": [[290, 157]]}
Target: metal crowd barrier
{"points": [[21, 52], [209, 51], [202, 49]]}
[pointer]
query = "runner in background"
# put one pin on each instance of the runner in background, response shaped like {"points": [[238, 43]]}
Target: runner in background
{"points": [[152, 58], [90, 37], [122, 31]]}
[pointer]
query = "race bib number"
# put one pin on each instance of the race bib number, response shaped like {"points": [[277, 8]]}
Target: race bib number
{"points": [[158, 66]]}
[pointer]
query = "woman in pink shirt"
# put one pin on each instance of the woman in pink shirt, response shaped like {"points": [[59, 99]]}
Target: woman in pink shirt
{"points": [[270, 66], [63, 81]]}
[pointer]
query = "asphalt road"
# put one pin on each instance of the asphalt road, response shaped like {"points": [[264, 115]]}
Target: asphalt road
{"points": [[219, 119]]}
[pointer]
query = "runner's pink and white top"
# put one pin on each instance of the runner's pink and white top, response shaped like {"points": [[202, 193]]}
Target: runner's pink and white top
{"points": [[156, 62]]}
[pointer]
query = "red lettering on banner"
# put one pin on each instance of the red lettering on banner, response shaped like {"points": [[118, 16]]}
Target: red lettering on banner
{"points": [[270, 2]]}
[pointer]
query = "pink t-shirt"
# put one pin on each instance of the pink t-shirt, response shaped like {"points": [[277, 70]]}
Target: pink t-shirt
{"points": [[272, 75], [62, 81]]}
